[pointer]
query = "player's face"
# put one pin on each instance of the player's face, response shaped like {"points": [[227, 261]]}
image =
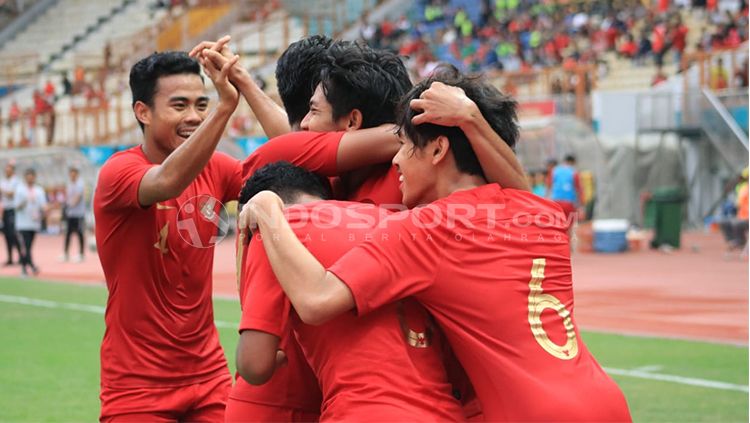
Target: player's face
{"points": [[415, 169], [30, 178], [179, 106], [320, 116], [9, 170]]}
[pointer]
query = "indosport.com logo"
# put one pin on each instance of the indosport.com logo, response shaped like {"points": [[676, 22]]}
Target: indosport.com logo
{"points": [[202, 221]]}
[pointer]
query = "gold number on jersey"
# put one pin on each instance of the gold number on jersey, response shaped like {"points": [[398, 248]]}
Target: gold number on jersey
{"points": [[538, 302], [161, 244]]}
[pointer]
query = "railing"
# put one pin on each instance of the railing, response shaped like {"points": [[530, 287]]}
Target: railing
{"points": [[82, 122], [551, 82], [723, 131]]}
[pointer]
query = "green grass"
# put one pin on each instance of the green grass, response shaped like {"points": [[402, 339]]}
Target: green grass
{"points": [[49, 362]]}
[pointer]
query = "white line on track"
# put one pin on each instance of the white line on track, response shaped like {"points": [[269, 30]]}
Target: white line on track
{"points": [[641, 372], [79, 307], [677, 379]]}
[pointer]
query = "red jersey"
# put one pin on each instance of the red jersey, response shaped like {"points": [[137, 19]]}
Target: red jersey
{"points": [[493, 267], [314, 151], [157, 261], [385, 366], [294, 385], [318, 152]]}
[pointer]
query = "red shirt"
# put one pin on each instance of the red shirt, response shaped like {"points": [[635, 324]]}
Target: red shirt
{"points": [[489, 264], [294, 385], [370, 368], [315, 151], [159, 318], [318, 152]]}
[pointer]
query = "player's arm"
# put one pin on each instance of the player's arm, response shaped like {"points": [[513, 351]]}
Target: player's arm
{"points": [[272, 117], [366, 147], [183, 165], [316, 294], [446, 105], [256, 356]]}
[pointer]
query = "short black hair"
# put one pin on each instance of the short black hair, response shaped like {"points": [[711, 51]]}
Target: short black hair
{"points": [[498, 109], [145, 74], [298, 73], [286, 180], [570, 158], [359, 77]]}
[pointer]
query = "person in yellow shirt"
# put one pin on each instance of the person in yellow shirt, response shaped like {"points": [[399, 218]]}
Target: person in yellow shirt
{"points": [[735, 229]]}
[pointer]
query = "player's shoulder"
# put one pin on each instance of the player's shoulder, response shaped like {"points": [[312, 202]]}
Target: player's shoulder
{"points": [[124, 157]]}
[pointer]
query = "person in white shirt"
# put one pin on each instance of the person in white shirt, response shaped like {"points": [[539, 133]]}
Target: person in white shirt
{"points": [[31, 204], [75, 211], [8, 185]]}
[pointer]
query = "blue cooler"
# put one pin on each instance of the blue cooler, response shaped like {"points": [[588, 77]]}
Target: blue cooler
{"points": [[610, 235]]}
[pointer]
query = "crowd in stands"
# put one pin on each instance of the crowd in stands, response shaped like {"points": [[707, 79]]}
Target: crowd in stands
{"points": [[516, 35]]}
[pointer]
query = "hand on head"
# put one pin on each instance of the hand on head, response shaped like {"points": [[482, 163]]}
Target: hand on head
{"points": [[444, 105]]}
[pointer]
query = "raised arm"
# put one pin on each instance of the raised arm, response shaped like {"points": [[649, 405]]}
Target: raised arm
{"points": [[316, 294], [183, 165], [446, 105], [271, 116]]}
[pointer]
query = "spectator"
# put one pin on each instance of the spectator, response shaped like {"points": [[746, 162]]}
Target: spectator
{"points": [[50, 92], [719, 77], [565, 189], [8, 186], [31, 204], [628, 48], [67, 85], [659, 77], [74, 213], [741, 75]]}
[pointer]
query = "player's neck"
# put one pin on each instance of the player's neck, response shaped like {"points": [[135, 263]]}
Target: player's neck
{"points": [[153, 153], [459, 181]]}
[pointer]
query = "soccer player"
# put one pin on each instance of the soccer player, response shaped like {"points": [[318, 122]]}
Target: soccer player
{"points": [[410, 380], [160, 358], [492, 265]]}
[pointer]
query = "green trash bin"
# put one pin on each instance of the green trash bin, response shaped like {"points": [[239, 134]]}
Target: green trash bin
{"points": [[667, 203]]}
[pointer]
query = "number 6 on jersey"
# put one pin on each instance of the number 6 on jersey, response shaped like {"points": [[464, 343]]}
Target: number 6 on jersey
{"points": [[538, 302]]}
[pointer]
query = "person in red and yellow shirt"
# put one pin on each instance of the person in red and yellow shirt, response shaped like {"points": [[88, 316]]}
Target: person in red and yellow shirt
{"points": [[156, 208], [491, 264]]}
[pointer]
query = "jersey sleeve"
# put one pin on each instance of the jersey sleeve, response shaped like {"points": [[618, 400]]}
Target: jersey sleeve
{"points": [[265, 307], [119, 179], [314, 151], [400, 259]]}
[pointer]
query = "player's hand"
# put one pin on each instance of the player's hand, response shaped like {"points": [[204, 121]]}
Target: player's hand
{"points": [[444, 105], [263, 205], [219, 45], [228, 94]]}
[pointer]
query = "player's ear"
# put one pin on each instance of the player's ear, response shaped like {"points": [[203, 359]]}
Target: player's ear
{"points": [[142, 112], [439, 149], [354, 121]]}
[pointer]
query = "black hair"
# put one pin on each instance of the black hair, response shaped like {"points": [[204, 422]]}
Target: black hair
{"points": [[498, 109], [570, 158], [30, 171], [359, 77], [298, 73], [145, 74], [286, 180]]}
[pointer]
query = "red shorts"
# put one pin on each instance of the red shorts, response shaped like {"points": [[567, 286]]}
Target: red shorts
{"points": [[200, 402], [239, 411]]}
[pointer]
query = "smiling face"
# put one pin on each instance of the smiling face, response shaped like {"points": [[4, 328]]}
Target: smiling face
{"points": [[179, 106], [416, 173], [320, 116]]}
